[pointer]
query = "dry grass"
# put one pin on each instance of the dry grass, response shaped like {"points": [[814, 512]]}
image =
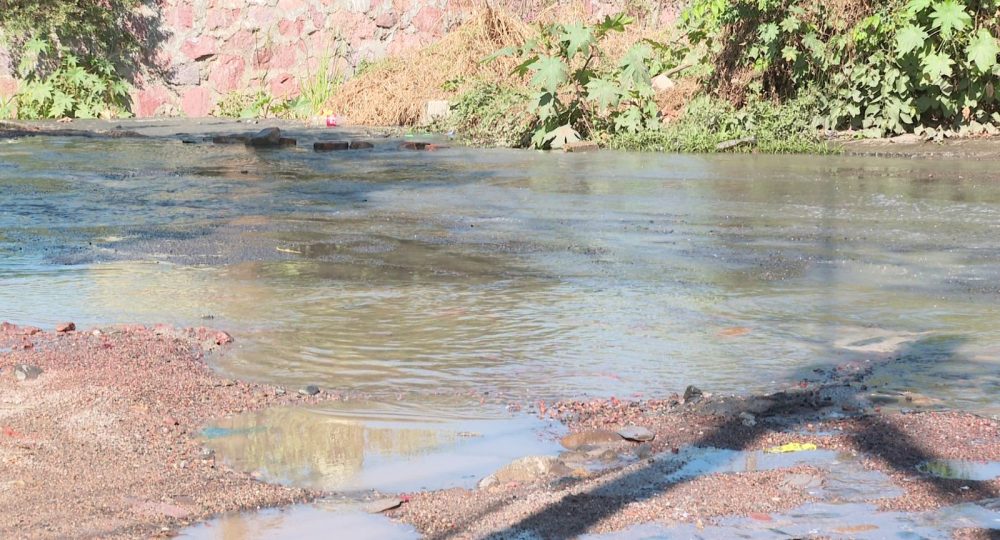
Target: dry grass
{"points": [[393, 92]]}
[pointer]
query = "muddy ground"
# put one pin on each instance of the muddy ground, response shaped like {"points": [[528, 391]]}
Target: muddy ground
{"points": [[104, 443], [570, 496]]}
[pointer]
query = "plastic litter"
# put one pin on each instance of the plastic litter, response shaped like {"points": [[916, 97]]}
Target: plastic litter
{"points": [[791, 447]]}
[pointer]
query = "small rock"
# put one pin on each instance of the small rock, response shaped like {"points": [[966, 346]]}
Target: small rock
{"points": [[387, 20], [526, 470], [748, 419], [361, 145], [736, 143], [382, 505], [310, 390], [596, 437], [267, 138], [287, 141], [27, 372], [662, 83], [414, 146], [230, 139], [581, 146], [65, 327], [692, 393], [279, 391], [329, 146], [563, 135], [636, 433], [435, 109]]}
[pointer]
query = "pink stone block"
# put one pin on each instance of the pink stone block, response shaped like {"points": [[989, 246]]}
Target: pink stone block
{"points": [[284, 86], [241, 42], [292, 28], [428, 19], [200, 48], [227, 74], [290, 7], [180, 16], [197, 102], [149, 100], [219, 18]]}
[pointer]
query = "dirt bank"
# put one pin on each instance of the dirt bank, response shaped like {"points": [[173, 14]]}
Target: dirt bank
{"points": [[103, 443]]}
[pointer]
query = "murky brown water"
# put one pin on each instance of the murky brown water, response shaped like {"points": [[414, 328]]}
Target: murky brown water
{"points": [[408, 275], [437, 290]]}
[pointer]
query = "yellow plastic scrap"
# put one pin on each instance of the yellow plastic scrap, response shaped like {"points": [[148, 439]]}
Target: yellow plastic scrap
{"points": [[791, 447]]}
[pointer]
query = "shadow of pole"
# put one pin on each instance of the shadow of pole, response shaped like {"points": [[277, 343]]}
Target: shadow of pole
{"points": [[574, 515]]}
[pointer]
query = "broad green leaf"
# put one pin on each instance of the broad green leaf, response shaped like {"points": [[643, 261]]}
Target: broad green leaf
{"points": [[577, 37], [605, 93], [616, 24], [790, 24], [36, 46], [983, 50], [523, 68], [949, 16], [61, 104], [550, 73], [506, 51], [76, 75], [630, 120], [937, 66], [917, 6], [768, 33], [38, 92], [910, 38], [814, 44], [633, 66], [789, 53]]}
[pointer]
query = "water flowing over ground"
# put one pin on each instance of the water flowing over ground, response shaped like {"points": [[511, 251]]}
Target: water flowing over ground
{"points": [[441, 291]]}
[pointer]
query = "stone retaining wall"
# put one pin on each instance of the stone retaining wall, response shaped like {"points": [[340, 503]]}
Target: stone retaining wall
{"points": [[214, 47]]}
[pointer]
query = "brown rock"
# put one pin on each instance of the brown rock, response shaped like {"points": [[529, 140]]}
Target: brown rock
{"points": [[65, 327], [287, 141], [526, 470], [230, 139], [581, 146], [361, 145], [414, 146], [636, 433], [596, 437], [328, 146], [269, 137]]}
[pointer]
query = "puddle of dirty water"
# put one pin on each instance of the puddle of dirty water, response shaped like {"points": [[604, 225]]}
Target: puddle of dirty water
{"points": [[364, 447], [844, 479], [836, 521], [319, 520], [962, 470]]}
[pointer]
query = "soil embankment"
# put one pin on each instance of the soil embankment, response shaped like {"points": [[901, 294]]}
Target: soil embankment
{"points": [[103, 441]]}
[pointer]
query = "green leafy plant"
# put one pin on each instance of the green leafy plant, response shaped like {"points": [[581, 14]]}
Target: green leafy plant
{"points": [[77, 58], [571, 88], [879, 68], [491, 115], [70, 89], [773, 127], [248, 104], [318, 88]]}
